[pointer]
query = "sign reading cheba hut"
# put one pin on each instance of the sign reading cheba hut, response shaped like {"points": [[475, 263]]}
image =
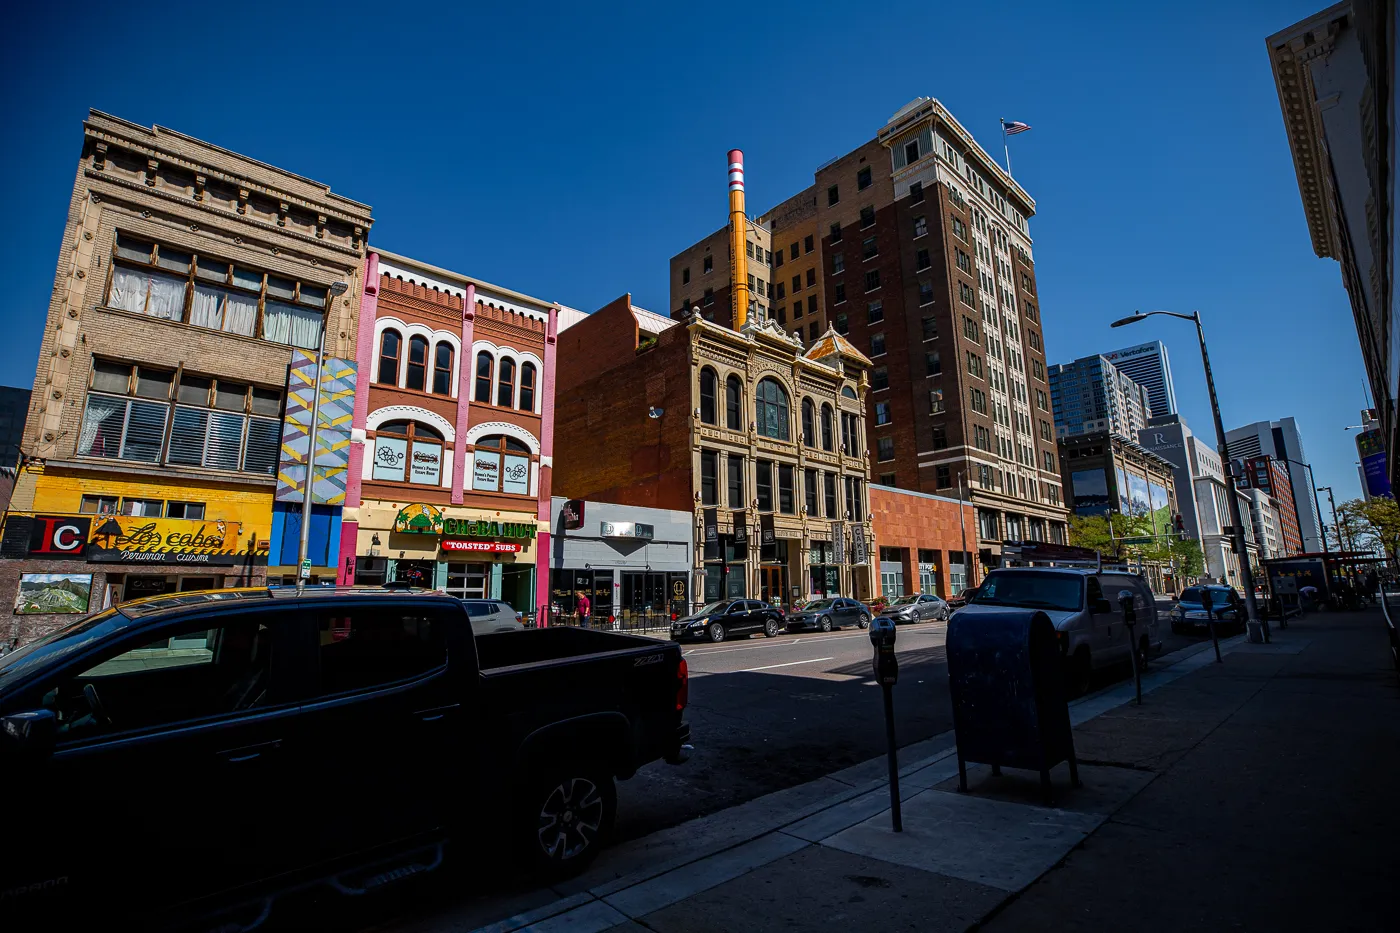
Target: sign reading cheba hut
{"points": [[140, 540], [422, 519]]}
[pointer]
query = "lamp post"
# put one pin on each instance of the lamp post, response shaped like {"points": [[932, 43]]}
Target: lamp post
{"points": [[1258, 630], [962, 524], [1336, 522]]}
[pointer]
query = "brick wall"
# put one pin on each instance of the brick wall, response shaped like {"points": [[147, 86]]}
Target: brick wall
{"points": [[912, 521]]}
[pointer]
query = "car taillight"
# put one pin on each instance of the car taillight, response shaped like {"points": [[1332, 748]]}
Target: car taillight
{"points": [[683, 687]]}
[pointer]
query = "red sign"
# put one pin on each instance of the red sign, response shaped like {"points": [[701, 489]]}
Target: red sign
{"points": [[494, 547]]}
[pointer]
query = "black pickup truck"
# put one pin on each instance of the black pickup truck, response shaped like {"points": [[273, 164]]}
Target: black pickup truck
{"points": [[213, 751]]}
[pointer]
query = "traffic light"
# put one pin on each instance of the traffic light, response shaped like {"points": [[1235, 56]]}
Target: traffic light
{"points": [[1179, 524]]}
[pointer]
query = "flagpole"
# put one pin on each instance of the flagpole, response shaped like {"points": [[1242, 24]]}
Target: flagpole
{"points": [[1005, 146]]}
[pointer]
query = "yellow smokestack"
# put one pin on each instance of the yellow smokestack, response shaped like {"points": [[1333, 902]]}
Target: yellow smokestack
{"points": [[738, 238]]}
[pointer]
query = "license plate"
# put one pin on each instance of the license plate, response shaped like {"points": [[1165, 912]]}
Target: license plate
{"points": [[1197, 615]]}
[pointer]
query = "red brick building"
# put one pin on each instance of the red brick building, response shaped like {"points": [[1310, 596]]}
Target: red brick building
{"points": [[1269, 475], [921, 543]]}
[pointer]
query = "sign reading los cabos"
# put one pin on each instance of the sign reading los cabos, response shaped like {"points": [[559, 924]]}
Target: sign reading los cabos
{"points": [[139, 540]]}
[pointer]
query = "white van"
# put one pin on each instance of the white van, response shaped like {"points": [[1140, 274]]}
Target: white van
{"points": [[1085, 607]]}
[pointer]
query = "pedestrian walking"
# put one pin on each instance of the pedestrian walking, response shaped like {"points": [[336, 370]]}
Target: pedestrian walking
{"points": [[585, 608]]}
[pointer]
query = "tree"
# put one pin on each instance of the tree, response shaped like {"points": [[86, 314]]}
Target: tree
{"points": [[1372, 524], [1190, 562]]}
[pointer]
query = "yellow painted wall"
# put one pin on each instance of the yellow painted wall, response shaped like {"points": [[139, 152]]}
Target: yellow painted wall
{"points": [[60, 492]]}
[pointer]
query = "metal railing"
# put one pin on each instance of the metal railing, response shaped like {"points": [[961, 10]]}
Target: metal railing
{"points": [[626, 620]]}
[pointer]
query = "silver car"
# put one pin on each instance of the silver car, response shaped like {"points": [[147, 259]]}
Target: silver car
{"points": [[827, 614], [918, 607], [492, 615]]}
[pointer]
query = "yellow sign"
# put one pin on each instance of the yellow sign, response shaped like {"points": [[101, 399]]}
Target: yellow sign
{"points": [[128, 533], [419, 519]]}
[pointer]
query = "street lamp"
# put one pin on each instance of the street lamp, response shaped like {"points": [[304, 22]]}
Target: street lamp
{"points": [[1258, 631], [1317, 504]]}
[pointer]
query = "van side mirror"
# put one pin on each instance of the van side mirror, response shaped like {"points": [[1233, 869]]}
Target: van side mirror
{"points": [[1101, 605], [29, 735]]}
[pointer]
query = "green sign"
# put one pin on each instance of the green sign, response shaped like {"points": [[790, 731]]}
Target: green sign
{"points": [[1146, 539], [471, 528]]}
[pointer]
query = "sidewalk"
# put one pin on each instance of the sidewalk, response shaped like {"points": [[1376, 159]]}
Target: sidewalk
{"points": [[1258, 794]]}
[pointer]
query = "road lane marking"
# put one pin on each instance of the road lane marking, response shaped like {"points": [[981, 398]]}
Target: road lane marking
{"points": [[769, 667]]}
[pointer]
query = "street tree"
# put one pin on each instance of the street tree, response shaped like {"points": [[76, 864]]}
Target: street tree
{"points": [[1372, 524]]}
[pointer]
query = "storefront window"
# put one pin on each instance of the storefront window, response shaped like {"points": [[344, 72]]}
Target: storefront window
{"points": [[565, 584], [653, 592], [467, 581], [407, 451], [370, 571]]}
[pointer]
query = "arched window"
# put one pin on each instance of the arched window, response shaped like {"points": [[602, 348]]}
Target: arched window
{"points": [[501, 464], [826, 428], [734, 403], [527, 386], [505, 384], [417, 363], [809, 423], [408, 452], [484, 366], [709, 390], [442, 368], [389, 344], [848, 392], [771, 410]]}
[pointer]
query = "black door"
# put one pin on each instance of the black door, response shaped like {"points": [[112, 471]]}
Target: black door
{"points": [[166, 780], [381, 724]]}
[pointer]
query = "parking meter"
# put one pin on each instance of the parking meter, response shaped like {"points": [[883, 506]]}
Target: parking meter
{"points": [[1210, 621], [1126, 602], [882, 636]]}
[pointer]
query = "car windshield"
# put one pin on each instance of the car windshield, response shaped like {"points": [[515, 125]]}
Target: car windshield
{"points": [[1030, 590], [714, 609], [55, 645], [819, 604], [1192, 594], [905, 601]]}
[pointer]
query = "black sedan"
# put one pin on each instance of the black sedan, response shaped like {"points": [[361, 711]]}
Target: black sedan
{"points": [[828, 614], [719, 620]]}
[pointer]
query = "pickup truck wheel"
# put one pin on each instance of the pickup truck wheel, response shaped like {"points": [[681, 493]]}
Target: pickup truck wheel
{"points": [[567, 816], [770, 628], [825, 623], [716, 632]]}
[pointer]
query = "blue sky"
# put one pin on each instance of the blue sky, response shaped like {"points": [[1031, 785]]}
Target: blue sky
{"points": [[568, 150]]}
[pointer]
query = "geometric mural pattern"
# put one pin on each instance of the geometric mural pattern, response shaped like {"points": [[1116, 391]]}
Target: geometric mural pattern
{"points": [[332, 459]]}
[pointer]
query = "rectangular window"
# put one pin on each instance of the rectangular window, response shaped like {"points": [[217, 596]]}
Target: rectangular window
{"points": [[808, 243], [920, 226], [735, 467], [930, 327], [709, 263], [839, 292], [811, 277], [1040, 400], [872, 280], [880, 377], [781, 314], [916, 193], [970, 330], [869, 248], [785, 498], [863, 178], [877, 344], [974, 364], [884, 448], [809, 491], [98, 505], [875, 312], [1045, 430], [964, 261], [966, 295], [709, 297], [750, 281], [1049, 461], [191, 510], [925, 293], [748, 247], [812, 308], [943, 477], [959, 229], [843, 325], [867, 216], [935, 402], [685, 276], [838, 263], [836, 233], [780, 290], [921, 260], [709, 473], [762, 286], [792, 251], [833, 196], [765, 485], [882, 413], [143, 508], [829, 493], [778, 259], [940, 437], [934, 363], [796, 284], [978, 400], [812, 327]]}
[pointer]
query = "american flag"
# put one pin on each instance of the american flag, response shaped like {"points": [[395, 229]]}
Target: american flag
{"points": [[1013, 127]]}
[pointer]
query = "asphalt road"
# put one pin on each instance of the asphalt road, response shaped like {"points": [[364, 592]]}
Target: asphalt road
{"points": [[766, 714]]}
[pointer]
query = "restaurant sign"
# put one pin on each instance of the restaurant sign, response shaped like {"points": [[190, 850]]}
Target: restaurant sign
{"points": [[421, 519], [139, 540], [481, 547]]}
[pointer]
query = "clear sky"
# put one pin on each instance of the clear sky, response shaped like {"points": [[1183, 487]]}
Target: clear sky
{"points": [[569, 150]]}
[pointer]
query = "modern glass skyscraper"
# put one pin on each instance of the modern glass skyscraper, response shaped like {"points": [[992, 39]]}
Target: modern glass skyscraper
{"points": [[1091, 395], [1147, 365]]}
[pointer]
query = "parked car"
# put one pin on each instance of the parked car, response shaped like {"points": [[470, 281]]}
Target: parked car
{"points": [[489, 616], [918, 607], [827, 614], [1085, 609], [719, 620], [182, 744], [1189, 612], [959, 599]]}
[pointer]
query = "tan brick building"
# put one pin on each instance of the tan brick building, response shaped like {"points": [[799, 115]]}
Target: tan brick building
{"points": [[762, 443], [922, 257], [700, 277], [186, 277]]}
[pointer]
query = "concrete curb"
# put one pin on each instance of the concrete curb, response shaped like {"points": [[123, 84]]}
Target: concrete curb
{"points": [[771, 829]]}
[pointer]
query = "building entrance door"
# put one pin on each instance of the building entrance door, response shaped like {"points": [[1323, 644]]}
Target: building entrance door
{"points": [[772, 584]]}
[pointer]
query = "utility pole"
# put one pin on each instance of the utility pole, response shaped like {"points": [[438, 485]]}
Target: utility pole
{"points": [[962, 525]]}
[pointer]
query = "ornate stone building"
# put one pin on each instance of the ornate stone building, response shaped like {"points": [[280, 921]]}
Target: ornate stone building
{"points": [[764, 444]]}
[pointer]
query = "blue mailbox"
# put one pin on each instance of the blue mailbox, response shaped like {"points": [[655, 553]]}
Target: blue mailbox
{"points": [[1005, 674]]}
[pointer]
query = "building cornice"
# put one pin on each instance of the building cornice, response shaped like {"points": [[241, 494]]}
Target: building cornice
{"points": [[1290, 55]]}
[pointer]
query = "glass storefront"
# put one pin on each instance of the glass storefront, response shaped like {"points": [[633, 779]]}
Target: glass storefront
{"points": [[654, 591], [566, 583], [824, 574], [467, 581]]}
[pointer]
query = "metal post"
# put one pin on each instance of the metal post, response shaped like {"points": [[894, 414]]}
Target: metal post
{"points": [[962, 525], [1133, 652], [1258, 631], [896, 817], [1215, 639], [305, 545]]}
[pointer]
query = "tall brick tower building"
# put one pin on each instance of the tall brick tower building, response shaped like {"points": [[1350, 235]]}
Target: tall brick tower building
{"points": [[917, 247]]}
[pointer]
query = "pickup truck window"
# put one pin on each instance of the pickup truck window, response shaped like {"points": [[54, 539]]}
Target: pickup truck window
{"points": [[369, 646], [190, 675]]}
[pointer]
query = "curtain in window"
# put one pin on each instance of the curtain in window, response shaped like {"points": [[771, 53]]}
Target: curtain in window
{"points": [[240, 313], [291, 325], [128, 290], [207, 309], [167, 298], [101, 433], [233, 312]]}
